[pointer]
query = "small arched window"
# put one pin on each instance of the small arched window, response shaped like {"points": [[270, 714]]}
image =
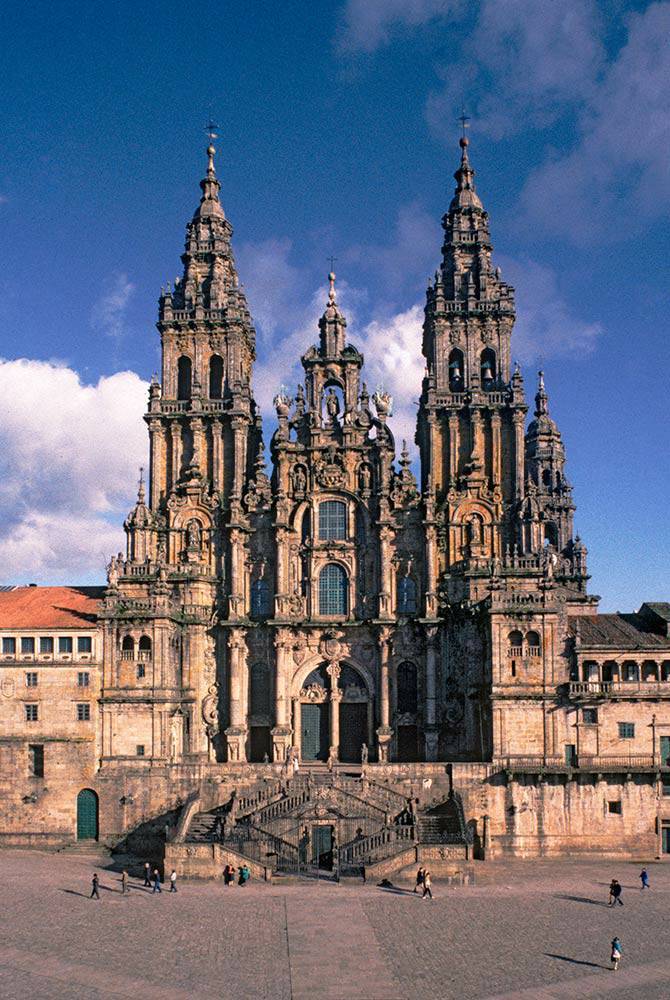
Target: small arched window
{"points": [[332, 590], [456, 370], [515, 640], [551, 534], [332, 520], [215, 377], [127, 647], [488, 367], [407, 687], [406, 596], [144, 647], [260, 599], [533, 643], [184, 377], [260, 689]]}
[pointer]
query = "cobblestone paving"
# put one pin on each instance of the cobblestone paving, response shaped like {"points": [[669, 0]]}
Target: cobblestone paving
{"points": [[528, 930]]}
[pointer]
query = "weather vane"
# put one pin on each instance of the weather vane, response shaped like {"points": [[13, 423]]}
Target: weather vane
{"points": [[464, 120], [211, 130]]}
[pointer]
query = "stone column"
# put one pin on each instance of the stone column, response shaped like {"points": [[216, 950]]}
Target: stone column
{"points": [[237, 572], [385, 572], [518, 419], [431, 571], [217, 455], [477, 449], [334, 671], [237, 730], [281, 733], [496, 472], [430, 730], [454, 445], [384, 733], [198, 450], [175, 433], [156, 462], [239, 454]]}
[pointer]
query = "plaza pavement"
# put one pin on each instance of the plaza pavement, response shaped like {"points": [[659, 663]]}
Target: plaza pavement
{"points": [[528, 929]]}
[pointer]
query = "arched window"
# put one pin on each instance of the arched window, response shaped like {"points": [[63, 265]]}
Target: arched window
{"points": [[532, 643], [332, 590], [406, 596], [551, 534], [407, 688], [127, 648], [515, 641], [332, 520], [456, 371], [488, 367], [260, 689], [215, 377], [630, 672], [546, 477], [184, 370], [260, 599], [144, 647]]}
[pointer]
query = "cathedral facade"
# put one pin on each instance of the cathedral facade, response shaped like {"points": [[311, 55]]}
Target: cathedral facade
{"points": [[334, 611]]}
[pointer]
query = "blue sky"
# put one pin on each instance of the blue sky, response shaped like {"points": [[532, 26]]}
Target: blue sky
{"points": [[338, 135]]}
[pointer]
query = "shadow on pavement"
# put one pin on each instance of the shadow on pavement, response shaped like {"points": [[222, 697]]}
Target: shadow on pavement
{"points": [[580, 899], [73, 892], [577, 961]]}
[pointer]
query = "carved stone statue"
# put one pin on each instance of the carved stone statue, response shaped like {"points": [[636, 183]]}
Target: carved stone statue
{"points": [[364, 478], [193, 534], [332, 405], [365, 754], [299, 480], [475, 529], [210, 711]]}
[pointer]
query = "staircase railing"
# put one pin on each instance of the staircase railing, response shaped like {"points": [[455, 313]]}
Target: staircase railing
{"points": [[376, 846]]}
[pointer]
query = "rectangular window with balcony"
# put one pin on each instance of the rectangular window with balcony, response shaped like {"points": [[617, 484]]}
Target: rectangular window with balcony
{"points": [[32, 714], [27, 645], [46, 644], [626, 730], [614, 807], [31, 679], [8, 645], [84, 644], [36, 757], [65, 644], [590, 716], [84, 712], [139, 749], [83, 679]]}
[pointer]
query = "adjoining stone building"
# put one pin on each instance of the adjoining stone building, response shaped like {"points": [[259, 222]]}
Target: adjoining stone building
{"points": [[438, 636]]}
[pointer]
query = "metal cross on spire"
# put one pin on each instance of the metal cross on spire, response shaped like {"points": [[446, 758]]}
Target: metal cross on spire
{"points": [[464, 120], [212, 130], [331, 261]]}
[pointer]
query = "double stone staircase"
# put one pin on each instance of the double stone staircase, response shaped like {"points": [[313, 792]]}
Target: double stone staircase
{"points": [[325, 824]]}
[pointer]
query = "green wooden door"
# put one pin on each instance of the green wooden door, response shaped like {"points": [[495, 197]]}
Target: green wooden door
{"points": [[322, 847], [87, 815], [314, 723], [665, 751], [353, 730]]}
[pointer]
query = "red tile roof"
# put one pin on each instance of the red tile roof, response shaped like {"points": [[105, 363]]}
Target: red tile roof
{"points": [[49, 607]]}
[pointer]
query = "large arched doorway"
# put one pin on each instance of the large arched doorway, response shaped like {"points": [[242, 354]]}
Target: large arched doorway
{"points": [[334, 710], [87, 815]]}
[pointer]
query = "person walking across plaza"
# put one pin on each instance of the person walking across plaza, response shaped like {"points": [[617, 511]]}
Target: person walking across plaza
{"points": [[427, 883], [95, 884], [419, 879], [147, 873], [157, 881], [615, 956], [173, 881], [615, 893], [124, 882], [644, 879]]}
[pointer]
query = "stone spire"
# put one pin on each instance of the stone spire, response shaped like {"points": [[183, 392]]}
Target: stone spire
{"points": [[332, 324], [209, 280]]}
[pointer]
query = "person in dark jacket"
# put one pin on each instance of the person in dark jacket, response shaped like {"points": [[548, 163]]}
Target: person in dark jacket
{"points": [[157, 881], [644, 878], [615, 893], [94, 887], [419, 879], [147, 873], [615, 954]]}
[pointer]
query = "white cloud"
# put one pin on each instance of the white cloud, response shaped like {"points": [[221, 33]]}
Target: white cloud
{"points": [[393, 358], [367, 24], [616, 178], [108, 315], [524, 62], [545, 326], [70, 453]]}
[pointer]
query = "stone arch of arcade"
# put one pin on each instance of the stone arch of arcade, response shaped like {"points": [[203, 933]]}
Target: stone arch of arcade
{"points": [[333, 710]]}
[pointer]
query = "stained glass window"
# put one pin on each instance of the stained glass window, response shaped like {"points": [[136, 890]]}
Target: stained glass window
{"points": [[332, 590], [332, 520]]}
